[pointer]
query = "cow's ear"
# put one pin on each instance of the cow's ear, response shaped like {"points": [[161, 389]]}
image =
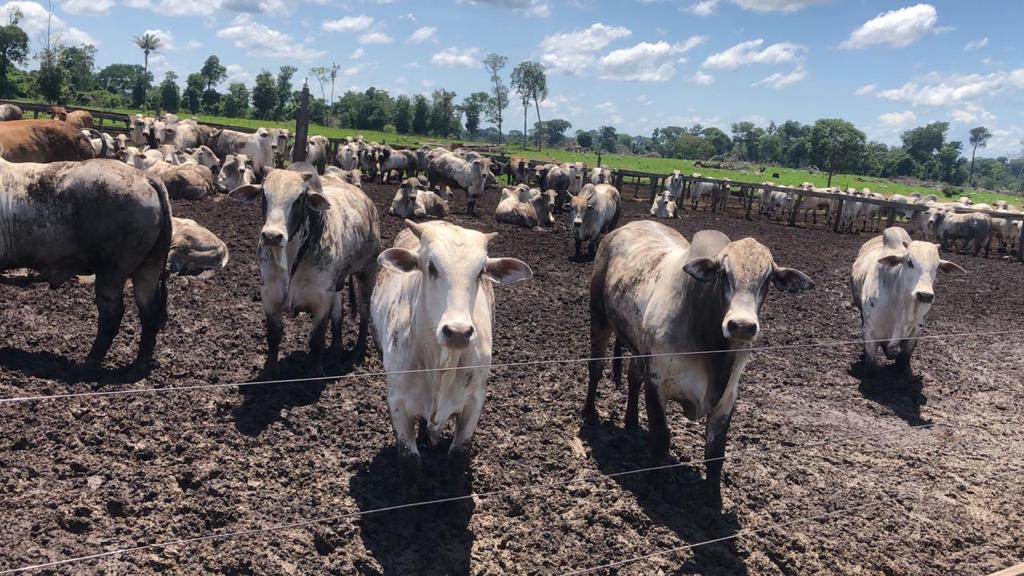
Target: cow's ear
{"points": [[892, 260], [246, 193], [791, 279], [507, 270], [399, 260], [703, 269], [951, 268], [317, 201]]}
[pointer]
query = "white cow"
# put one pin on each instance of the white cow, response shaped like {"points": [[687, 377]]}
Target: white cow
{"points": [[195, 249], [593, 212], [415, 201], [433, 307], [664, 205], [893, 287], [526, 207]]}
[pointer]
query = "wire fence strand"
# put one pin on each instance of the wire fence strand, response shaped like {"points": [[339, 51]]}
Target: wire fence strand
{"points": [[488, 494], [353, 376]]}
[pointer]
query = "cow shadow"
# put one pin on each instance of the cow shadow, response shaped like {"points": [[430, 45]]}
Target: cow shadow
{"points": [[898, 389], [262, 404], [673, 498], [50, 366], [426, 539]]}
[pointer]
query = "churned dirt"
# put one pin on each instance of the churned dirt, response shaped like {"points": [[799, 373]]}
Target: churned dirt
{"points": [[87, 475]]}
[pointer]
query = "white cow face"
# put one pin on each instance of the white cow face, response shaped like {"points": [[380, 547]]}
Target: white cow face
{"points": [[917, 269], [743, 270], [453, 262]]}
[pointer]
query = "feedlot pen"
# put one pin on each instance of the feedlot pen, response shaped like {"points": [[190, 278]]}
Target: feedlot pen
{"points": [[826, 472]]}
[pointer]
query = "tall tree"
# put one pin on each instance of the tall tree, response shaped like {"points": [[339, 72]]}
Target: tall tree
{"points": [[148, 43], [79, 62], [494, 63], [473, 107], [13, 48], [121, 78], [836, 144], [170, 98], [284, 91], [236, 102], [326, 76], [193, 95], [420, 115], [607, 138], [213, 72], [264, 95], [403, 115], [924, 142], [530, 83], [979, 139], [442, 117]]}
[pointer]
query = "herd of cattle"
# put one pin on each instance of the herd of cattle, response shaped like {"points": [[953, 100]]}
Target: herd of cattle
{"points": [[688, 311]]}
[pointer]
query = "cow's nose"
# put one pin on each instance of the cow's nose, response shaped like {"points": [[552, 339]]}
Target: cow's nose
{"points": [[741, 329], [273, 238], [577, 223], [925, 297], [457, 334]]}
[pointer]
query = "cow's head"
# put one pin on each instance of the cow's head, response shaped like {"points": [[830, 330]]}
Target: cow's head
{"points": [[453, 261], [206, 157], [287, 198], [409, 189], [917, 266], [581, 206], [743, 271]]}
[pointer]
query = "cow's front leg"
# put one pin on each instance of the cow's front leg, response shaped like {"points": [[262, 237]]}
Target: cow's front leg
{"points": [[579, 245], [408, 453], [273, 292], [337, 324], [906, 350], [462, 443], [658, 435], [321, 319], [714, 447]]}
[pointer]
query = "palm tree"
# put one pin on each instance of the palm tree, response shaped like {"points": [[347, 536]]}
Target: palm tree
{"points": [[148, 42]]}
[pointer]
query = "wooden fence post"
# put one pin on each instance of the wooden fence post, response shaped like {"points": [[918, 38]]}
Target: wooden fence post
{"points": [[836, 226], [301, 126], [796, 208]]}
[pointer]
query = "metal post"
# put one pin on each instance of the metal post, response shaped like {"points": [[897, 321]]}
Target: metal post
{"points": [[301, 126]]}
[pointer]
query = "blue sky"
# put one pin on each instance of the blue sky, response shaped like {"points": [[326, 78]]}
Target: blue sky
{"points": [[636, 64]]}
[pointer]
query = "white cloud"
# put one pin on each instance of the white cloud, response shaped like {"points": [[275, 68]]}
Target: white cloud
{"points": [[260, 40], [255, 6], [237, 74], [193, 44], [375, 38], [573, 52], [457, 58], [359, 53], [354, 70], [704, 7], [896, 28], [866, 89], [748, 52], [87, 6], [166, 38], [699, 77], [33, 22], [528, 7], [778, 80], [348, 24], [944, 91], [177, 7], [644, 62], [896, 119], [423, 34], [972, 114], [976, 44], [707, 7], [561, 105]]}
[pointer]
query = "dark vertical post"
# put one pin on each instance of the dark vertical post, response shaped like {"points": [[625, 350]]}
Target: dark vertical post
{"points": [[838, 217], [301, 126], [795, 209]]}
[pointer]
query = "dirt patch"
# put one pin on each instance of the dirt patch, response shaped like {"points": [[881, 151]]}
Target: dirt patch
{"points": [[83, 476]]}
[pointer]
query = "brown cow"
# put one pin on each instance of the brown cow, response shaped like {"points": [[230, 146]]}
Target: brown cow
{"points": [[43, 141]]}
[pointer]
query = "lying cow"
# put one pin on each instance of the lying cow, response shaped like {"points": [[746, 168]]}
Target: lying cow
{"points": [[446, 169], [236, 172], [433, 307], [353, 177], [97, 217], [413, 201], [183, 182], [662, 298], [9, 112], [526, 207], [664, 205], [315, 235], [593, 212], [194, 249], [893, 281], [43, 141]]}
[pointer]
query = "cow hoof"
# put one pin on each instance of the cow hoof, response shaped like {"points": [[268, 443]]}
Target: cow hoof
{"points": [[590, 415], [269, 371], [141, 366]]}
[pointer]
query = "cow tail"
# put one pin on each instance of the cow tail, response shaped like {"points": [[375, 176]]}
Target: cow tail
{"points": [[162, 248], [617, 364]]}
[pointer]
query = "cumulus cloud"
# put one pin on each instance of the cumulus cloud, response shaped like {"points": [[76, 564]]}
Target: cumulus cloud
{"points": [[573, 52], [528, 7], [166, 38], [34, 18], [646, 61], [896, 119], [354, 70], [896, 28], [177, 7], [976, 44], [349, 24], [972, 114], [255, 6], [952, 90], [457, 58], [375, 38], [707, 7], [260, 40], [865, 89], [87, 6], [237, 74], [702, 78], [423, 34], [562, 105], [750, 52], [779, 80], [359, 53]]}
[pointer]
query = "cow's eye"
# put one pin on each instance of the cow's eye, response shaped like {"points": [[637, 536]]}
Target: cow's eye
{"points": [[910, 263], [432, 270]]}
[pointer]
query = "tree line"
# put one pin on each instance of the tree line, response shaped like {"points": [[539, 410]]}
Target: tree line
{"points": [[67, 74]]}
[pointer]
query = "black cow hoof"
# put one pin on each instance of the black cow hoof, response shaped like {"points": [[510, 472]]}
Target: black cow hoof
{"points": [[270, 371], [590, 415]]}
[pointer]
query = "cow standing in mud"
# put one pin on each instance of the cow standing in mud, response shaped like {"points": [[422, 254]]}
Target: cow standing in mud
{"points": [[315, 235], [670, 300], [98, 217]]}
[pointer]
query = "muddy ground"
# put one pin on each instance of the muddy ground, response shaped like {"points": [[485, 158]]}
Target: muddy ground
{"points": [[83, 476]]}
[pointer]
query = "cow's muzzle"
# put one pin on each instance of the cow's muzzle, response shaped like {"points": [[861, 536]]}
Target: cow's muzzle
{"points": [[273, 238], [925, 297], [457, 335], [741, 330]]}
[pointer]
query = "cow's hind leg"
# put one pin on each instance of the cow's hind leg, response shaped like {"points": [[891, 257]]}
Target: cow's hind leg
{"points": [[149, 284], [110, 302], [634, 377], [366, 281], [600, 334], [337, 318]]}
